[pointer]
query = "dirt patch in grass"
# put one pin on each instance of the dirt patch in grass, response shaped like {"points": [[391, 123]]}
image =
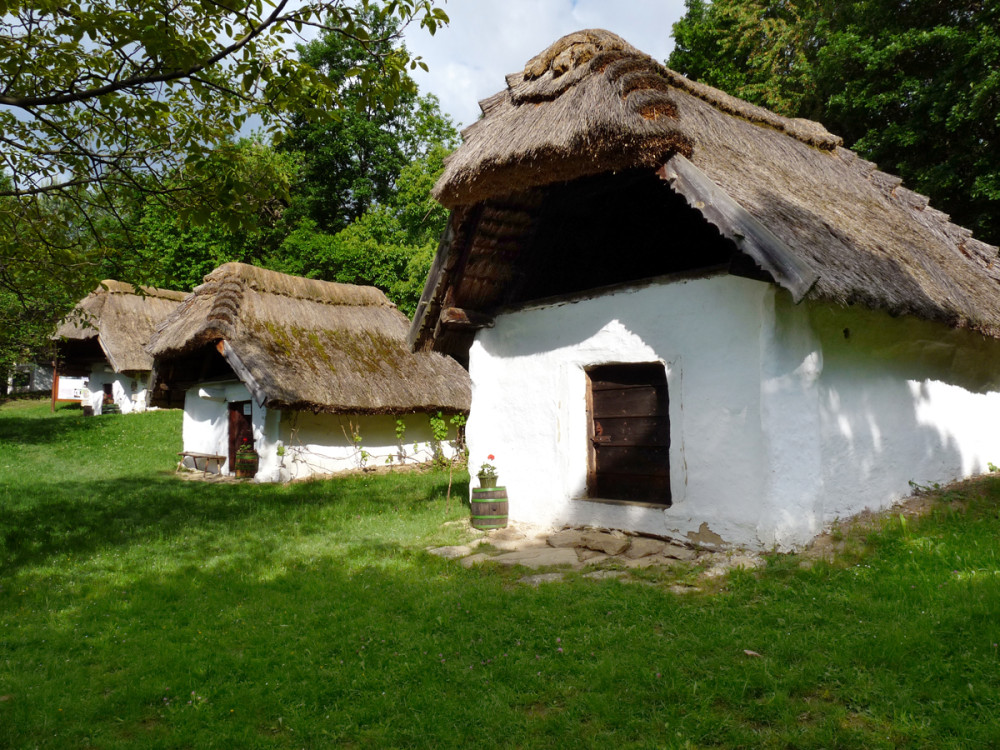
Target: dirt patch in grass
{"points": [[847, 534]]}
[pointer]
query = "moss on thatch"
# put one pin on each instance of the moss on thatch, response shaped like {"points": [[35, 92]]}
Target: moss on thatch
{"points": [[315, 345], [593, 105]]}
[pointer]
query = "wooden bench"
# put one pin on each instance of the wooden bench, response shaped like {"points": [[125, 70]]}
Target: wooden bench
{"points": [[209, 458]]}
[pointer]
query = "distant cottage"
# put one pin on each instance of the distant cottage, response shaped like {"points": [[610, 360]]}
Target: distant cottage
{"points": [[688, 316], [101, 358], [315, 376]]}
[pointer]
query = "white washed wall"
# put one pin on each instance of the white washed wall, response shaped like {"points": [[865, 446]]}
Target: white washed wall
{"points": [[901, 400], [128, 392], [39, 379], [771, 435], [323, 443], [206, 419], [311, 443]]}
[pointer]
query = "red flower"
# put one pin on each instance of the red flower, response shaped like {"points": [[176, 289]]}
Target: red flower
{"points": [[490, 457]]}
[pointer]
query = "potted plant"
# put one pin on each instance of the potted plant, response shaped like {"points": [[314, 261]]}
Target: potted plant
{"points": [[489, 502], [488, 473], [247, 460]]}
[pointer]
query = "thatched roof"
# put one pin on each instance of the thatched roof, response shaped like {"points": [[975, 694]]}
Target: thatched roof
{"points": [[811, 215], [120, 319], [304, 344]]}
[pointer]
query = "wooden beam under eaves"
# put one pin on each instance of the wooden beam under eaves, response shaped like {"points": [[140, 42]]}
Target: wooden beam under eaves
{"points": [[752, 238], [456, 317], [244, 374]]}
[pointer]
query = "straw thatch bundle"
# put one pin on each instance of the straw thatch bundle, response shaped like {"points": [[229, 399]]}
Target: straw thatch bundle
{"points": [[120, 319], [304, 344], [834, 226]]}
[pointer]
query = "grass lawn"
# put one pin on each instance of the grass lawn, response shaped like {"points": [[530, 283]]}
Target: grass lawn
{"points": [[140, 610]]}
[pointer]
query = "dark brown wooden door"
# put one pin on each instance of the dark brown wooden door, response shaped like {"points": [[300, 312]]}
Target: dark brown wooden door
{"points": [[629, 433], [240, 428]]}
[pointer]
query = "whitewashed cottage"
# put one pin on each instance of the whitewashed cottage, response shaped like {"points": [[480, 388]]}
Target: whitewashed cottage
{"points": [[687, 316], [101, 359], [315, 376]]}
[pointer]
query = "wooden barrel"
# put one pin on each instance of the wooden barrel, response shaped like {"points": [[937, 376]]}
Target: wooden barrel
{"points": [[246, 465], [489, 508]]}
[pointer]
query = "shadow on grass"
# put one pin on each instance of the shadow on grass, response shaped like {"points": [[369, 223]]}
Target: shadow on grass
{"points": [[75, 517], [45, 429], [384, 646], [342, 650]]}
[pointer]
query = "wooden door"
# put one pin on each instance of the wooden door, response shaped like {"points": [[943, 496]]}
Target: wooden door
{"points": [[240, 428], [629, 433]]}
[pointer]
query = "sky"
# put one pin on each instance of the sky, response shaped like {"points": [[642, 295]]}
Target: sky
{"points": [[487, 39]]}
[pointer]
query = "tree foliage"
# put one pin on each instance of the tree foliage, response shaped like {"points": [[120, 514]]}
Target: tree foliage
{"points": [[390, 246], [346, 199], [29, 300], [98, 92], [913, 85], [758, 50], [351, 164], [118, 126], [166, 249]]}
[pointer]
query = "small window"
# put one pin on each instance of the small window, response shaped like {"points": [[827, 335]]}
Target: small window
{"points": [[629, 426]]}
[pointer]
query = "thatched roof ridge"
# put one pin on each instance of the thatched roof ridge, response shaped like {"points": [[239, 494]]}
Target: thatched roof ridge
{"points": [[121, 317], [607, 106], [313, 345], [593, 105], [313, 290]]}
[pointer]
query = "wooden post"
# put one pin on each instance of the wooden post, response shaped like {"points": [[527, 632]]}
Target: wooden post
{"points": [[55, 382]]}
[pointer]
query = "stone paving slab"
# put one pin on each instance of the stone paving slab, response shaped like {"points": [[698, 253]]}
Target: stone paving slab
{"points": [[450, 553], [653, 561], [589, 558], [602, 574], [577, 549], [540, 578], [473, 560], [538, 558], [643, 547], [608, 542], [517, 544], [679, 553]]}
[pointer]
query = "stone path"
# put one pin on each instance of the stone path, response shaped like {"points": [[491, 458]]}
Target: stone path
{"points": [[608, 554]]}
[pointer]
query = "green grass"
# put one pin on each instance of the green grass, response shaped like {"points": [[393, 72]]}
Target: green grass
{"points": [[139, 610]]}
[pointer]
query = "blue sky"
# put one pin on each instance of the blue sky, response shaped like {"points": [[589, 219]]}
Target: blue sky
{"points": [[487, 39]]}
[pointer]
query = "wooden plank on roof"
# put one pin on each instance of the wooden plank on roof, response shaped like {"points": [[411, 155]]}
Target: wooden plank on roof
{"points": [[750, 235], [438, 270], [244, 374]]}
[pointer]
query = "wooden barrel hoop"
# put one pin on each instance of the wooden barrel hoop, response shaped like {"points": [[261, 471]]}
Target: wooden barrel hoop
{"points": [[489, 508], [246, 465]]}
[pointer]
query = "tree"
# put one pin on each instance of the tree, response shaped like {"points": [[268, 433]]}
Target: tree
{"points": [[910, 84], [391, 246], [351, 164], [360, 211], [915, 87], [96, 92], [758, 50], [167, 250], [29, 300], [106, 103], [345, 200]]}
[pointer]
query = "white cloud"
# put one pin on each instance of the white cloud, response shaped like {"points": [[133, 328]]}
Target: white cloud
{"points": [[487, 39]]}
